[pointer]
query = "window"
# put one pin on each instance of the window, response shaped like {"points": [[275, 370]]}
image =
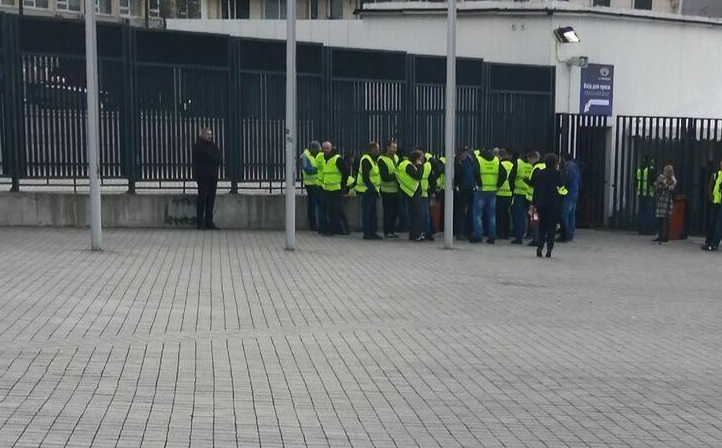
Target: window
{"points": [[69, 5], [313, 9], [154, 8], [235, 9], [30, 3], [7, 2], [336, 9], [275, 9], [130, 8], [102, 6], [601, 3], [643, 4], [188, 9]]}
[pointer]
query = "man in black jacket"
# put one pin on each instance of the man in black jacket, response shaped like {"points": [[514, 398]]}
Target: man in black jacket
{"points": [[206, 160]]}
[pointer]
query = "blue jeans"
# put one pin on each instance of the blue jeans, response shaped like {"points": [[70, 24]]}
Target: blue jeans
{"points": [[521, 205], [426, 216], [569, 216], [485, 209]]}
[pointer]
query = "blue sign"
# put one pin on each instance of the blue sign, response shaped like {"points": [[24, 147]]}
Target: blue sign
{"points": [[597, 90]]}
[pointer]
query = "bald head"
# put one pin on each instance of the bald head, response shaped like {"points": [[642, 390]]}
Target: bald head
{"points": [[326, 147]]}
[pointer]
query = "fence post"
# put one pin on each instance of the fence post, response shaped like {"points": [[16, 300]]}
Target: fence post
{"points": [[408, 133], [233, 115], [130, 116], [13, 117], [327, 118]]}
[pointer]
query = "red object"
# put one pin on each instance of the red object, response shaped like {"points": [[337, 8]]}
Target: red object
{"points": [[676, 222], [435, 210]]}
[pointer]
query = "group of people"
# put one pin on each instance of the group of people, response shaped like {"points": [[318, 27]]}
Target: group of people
{"points": [[496, 195]]}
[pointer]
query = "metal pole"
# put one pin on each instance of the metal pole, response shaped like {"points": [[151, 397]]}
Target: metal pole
{"points": [[91, 71], [450, 126], [290, 124]]}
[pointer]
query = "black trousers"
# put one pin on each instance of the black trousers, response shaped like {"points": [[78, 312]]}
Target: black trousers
{"points": [[503, 216], [416, 217], [333, 206], [368, 210], [314, 196], [206, 200], [548, 219], [441, 199], [663, 229], [713, 210], [463, 212], [390, 202], [322, 211]]}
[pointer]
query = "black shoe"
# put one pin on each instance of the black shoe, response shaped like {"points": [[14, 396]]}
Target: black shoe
{"points": [[657, 240], [212, 226], [562, 240], [549, 254], [490, 241], [369, 237], [429, 237], [418, 239], [377, 237], [538, 253], [518, 242]]}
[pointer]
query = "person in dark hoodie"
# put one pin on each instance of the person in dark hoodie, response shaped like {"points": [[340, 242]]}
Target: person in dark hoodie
{"points": [[206, 160], [547, 201], [335, 178], [465, 181], [491, 176]]}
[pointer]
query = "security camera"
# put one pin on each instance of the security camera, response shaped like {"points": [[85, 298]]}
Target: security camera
{"points": [[578, 61]]}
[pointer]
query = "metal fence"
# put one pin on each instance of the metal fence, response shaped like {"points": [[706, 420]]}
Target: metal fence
{"points": [[692, 145], [158, 88]]}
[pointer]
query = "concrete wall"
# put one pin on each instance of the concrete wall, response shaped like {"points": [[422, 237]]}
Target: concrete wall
{"points": [[661, 67], [233, 211]]}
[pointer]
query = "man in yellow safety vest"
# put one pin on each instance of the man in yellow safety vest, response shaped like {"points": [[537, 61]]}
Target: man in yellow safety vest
{"points": [[389, 188], [503, 198], [335, 178], [368, 182], [714, 191], [309, 173], [492, 175], [521, 174]]}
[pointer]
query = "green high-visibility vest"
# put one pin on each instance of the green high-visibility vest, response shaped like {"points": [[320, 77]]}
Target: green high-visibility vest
{"points": [[309, 179], [332, 175], [374, 175], [320, 164], [523, 173], [440, 181], [717, 189], [489, 172], [408, 184], [505, 189], [425, 179], [643, 187], [389, 186], [530, 190]]}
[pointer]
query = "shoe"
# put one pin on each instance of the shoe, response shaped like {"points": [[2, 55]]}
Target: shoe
{"points": [[490, 241], [212, 226], [419, 239], [657, 240], [377, 237], [562, 240], [549, 254], [707, 248], [391, 236], [518, 242], [538, 253], [429, 238], [461, 238], [369, 237]]}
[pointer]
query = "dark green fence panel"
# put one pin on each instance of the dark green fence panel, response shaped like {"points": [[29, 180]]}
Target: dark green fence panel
{"points": [[693, 146]]}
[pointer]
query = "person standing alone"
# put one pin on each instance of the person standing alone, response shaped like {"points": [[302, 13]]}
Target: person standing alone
{"points": [[547, 201], [664, 188], [206, 161]]}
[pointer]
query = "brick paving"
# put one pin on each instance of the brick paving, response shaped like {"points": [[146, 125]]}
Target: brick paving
{"points": [[179, 338]]}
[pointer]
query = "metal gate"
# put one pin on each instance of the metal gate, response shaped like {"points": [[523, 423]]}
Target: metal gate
{"points": [[585, 137]]}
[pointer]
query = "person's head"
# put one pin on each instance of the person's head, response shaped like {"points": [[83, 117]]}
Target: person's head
{"points": [[416, 156], [532, 157], [669, 171], [462, 152], [496, 152], [503, 154], [314, 147], [373, 149], [551, 160], [327, 147], [391, 147], [207, 134]]}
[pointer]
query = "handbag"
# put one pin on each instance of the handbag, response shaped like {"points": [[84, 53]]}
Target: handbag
{"points": [[533, 216]]}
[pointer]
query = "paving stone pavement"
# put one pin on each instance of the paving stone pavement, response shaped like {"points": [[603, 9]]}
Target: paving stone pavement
{"points": [[180, 338]]}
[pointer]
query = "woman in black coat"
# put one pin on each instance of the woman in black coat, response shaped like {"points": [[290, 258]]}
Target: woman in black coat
{"points": [[548, 201]]}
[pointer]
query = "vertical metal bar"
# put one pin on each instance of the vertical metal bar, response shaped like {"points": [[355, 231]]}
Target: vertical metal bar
{"points": [[91, 67], [290, 123], [450, 125]]}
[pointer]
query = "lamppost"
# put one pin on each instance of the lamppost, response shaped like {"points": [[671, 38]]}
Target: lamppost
{"points": [[91, 72], [290, 124], [450, 125]]}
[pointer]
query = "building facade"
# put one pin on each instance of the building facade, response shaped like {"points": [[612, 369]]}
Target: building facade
{"points": [[276, 9]]}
